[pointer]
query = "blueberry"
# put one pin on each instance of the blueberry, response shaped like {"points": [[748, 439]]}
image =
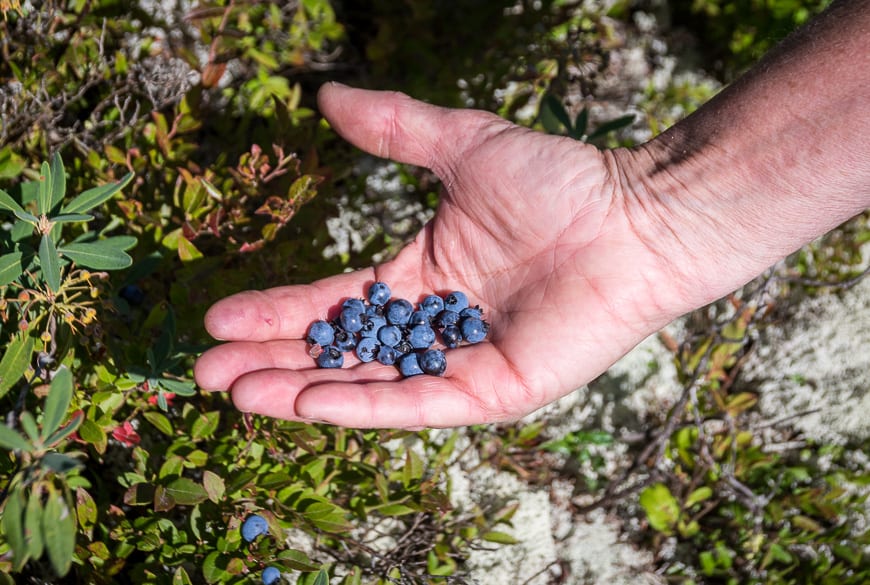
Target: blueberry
{"points": [[433, 362], [408, 365], [390, 335], [471, 312], [433, 304], [374, 311], [356, 304], [379, 294], [421, 336], [399, 311], [271, 575], [387, 355], [372, 325], [351, 320], [473, 329], [418, 317], [253, 526], [320, 333], [452, 336], [456, 301], [344, 341], [367, 349], [446, 318], [331, 357], [132, 294]]}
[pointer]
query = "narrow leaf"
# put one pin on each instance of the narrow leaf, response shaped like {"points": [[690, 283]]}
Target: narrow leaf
{"points": [[10, 267], [553, 110], [66, 430], [11, 440], [500, 537], [99, 255], [33, 525], [28, 423], [180, 577], [15, 360], [13, 527], [68, 217], [186, 491], [28, 217], [50, 262], [322, 578], [59, 532], [58, 181], [60, 463], [57, 403], [96, 196], [43, 196], [9, 204], [611, 125], [581, 123]]}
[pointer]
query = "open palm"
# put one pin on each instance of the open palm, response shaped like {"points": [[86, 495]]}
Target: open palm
{"points": [[534, 228]]}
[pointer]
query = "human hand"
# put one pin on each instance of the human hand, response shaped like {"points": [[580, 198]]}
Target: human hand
{"points": [[539, 230]]}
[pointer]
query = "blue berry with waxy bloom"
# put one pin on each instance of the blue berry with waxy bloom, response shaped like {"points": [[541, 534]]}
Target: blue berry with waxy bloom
{"points": [[421, 336], [432, 305], [456, 301], [418, 317], [367, 349], [451, 336], [399, 311], [379, 293], [330, 357], [351, 319], [471, 312], [374, 311], [270, 576], [408, 365], [253, 526], [390, 335], [473, 329], [320, 333], [387, 355], [344, 341], [446, 318], [433, 362], [355, 304], [372, 325]]}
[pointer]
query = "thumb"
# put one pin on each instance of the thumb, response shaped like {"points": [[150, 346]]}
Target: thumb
{"points": [[392, 125]]}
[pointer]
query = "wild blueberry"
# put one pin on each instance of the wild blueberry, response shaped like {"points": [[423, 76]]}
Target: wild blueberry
{"points": [[471, 312], [374, 311], [351, 319], [270, 575], [421, 336], [399, 311], [451, 336], [320, 333], [446, 318], [344, 341], [433, 362], [331, 357], [132, 294], [355, 304], [408, 365], [433, 304], [387, 355], [456, 301], [418, 317], [253, 526], [372, 325], [473, 329], [390, 335], [367, 349], [379, 293]]}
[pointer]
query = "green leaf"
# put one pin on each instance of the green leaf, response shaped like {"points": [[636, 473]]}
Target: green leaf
{"points": [[13, 527], [160, 422], [205, 425], [15, 360], [99, 255], [59, 463], [499, 537], [661, 507], [581, 124], [186, 491], [66, 430], [699, 495], [611, 125], [9, 204], [28, 423], [59, 398], [553, 115], [33, 525], [59, 532], [214, 486], [96, 196], [179, 387], [43, 196], [322, 578], [94, 434], [68, 217], [58, 181], [10, 267], [297, 560], [180, 577], [13, 441], [50, 262]]}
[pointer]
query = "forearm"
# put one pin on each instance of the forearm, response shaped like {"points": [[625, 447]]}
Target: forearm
{"points": [[776, 159]]}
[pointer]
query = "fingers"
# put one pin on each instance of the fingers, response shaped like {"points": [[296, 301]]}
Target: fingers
{"points": [[392, 125]]}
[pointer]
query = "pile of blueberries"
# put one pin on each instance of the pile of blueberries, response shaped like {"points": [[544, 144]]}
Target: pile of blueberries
{"points": [[254, 526], [393, 332]]}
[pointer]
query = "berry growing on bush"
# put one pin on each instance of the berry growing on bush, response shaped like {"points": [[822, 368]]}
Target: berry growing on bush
{"points": [[270, 575], [395, 332], [253, 526]]}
